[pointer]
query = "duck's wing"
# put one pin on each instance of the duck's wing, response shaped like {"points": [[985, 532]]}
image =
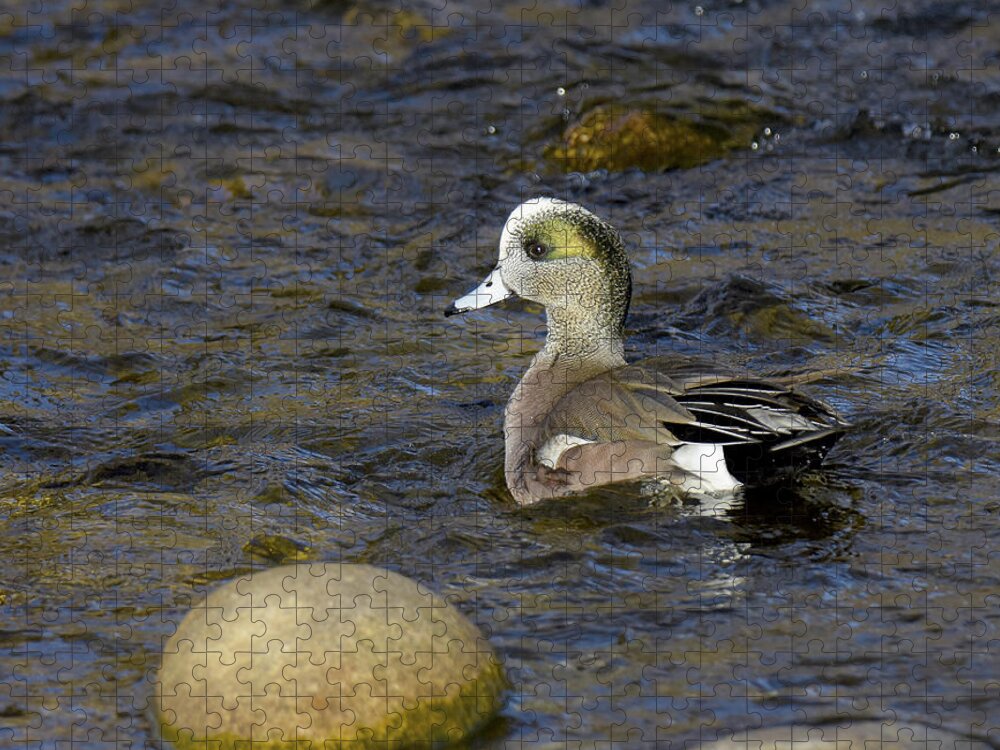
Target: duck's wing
{"points": [[763, 427], [624, 404], [782, 430], [611, 428]]}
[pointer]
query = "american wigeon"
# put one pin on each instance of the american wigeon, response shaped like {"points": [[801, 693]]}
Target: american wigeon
{"points": [[581, 416]]}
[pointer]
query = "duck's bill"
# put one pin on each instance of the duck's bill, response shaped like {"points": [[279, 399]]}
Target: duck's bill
{"points": [[491, 291]]}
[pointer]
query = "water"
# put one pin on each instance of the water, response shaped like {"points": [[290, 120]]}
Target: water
{"points": [[229, 234]]}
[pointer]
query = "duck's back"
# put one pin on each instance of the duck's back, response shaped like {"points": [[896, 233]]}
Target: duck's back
{"points": [[765, 430]]}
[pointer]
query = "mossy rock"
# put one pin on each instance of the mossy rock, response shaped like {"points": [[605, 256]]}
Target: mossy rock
{"points": [[616, 140], [327, 656]]}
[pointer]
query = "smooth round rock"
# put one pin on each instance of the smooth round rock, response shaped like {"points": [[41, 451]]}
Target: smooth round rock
{"points": [[332, 654]]}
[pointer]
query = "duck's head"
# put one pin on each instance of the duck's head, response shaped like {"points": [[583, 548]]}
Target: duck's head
{"points": [[564, 257]]}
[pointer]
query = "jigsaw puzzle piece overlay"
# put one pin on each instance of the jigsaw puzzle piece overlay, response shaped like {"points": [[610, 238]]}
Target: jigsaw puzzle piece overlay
{"points": [[325, 653]]}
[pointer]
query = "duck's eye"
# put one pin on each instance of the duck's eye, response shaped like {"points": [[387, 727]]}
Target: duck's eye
{"points": [[535, 249]]}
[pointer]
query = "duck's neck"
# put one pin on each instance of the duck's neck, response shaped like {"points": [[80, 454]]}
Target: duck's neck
{"points": [[594, 343], [577, 348]]}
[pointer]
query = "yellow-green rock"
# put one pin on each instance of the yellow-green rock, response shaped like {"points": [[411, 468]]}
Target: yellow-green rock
{"points": [[327, 656], [616, 140]]}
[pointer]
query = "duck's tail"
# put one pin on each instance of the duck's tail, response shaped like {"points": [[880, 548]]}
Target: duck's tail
{"points": [[778, 462]]}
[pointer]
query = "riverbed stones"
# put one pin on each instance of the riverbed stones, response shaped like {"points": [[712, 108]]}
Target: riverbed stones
{"points": [[330, 654]]}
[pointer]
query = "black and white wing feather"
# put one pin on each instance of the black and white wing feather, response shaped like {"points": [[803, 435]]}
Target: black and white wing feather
{"points": [[766, 429]]}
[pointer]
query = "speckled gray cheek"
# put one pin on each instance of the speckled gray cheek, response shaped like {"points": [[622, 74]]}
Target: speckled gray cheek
{"points": [[519, 275]]}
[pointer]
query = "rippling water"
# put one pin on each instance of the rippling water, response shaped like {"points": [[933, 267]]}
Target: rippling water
{"points": [[228, 235]]}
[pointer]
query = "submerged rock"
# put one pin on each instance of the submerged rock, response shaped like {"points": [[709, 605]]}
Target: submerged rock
{"points": [[606, 139], [329, 654]]}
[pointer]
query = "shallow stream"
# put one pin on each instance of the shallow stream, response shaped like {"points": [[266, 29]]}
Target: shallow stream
{"points": [[227, 235]]}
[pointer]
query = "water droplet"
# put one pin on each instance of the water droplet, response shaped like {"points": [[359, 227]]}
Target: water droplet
{"points": [[767, 132], [864, 75], [754, 146], [953, 136], [561, 91], [491, 129], [699, 11], [975, 149]]}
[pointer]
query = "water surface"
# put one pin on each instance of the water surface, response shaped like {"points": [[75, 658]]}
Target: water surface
{"points": [[228, 235]]}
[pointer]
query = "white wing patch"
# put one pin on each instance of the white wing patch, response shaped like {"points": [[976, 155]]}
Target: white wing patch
{"points": [[705, 470], [548, 455]]}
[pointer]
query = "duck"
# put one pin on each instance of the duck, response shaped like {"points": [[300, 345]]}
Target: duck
{"points": [[582, 417]]}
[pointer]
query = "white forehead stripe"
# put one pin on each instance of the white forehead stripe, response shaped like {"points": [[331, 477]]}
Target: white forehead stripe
{"points": [[523, 214]]}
